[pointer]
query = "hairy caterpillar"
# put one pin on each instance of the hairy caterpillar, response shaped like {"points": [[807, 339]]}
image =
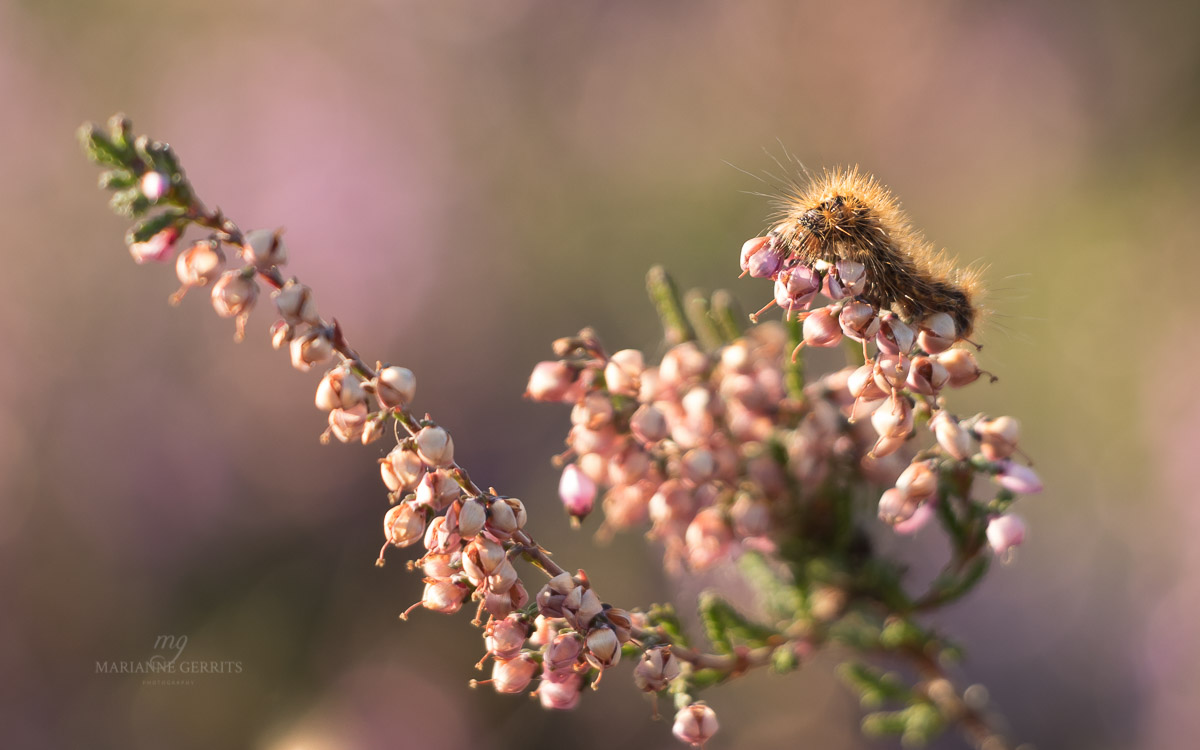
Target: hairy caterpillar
{"points": [[847, 215]]}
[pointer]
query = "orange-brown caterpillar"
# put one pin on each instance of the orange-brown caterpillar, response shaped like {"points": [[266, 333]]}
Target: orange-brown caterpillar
{"points": [[849, 215]]}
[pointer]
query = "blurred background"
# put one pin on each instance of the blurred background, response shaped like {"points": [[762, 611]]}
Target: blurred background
{"points": [[462, 183]]}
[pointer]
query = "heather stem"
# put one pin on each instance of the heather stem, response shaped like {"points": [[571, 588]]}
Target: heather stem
{"points": [[665, 296]]}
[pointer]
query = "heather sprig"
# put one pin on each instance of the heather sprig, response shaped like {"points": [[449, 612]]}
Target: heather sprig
{"points": [[727, 449]]}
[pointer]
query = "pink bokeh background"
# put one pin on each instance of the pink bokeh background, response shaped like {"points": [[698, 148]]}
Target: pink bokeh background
{"points": [[462, 183]]}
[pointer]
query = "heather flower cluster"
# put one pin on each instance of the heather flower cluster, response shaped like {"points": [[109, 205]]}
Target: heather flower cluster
{"points": [[724, 449]]}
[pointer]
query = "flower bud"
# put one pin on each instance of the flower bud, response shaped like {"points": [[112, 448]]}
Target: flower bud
{"points": [[551, 597], [264, 248], [656, 669], [1018, 478], [648, 424], [623, 370], [894, 419], [514, 675], [997, 437], [281, 334], [482, 558], [441, 536], [1005, 532], [895, 507], [795, 287], [435, 446], [295, 303], [708, 539], [603, 648], [862, 385], [695, 724], [560, 692], [563, 651], [577, 492], [401, 469], [372, 431], [891, 371], [918, 482], [313, 348], [760, 258], [154, 185], [340, 389], [822, 329], [961, 365], [851, 276], [395, 387], [437, 490], [917, 521], [859, 321], [551, 381], [580, 607], [443, 596], [593, 412], [951, 436], [404, 525], [233, 294], [157, 248], [198, 265], [506, 515], [505, 638], [895, 336], [502, 604], [503, 578], [348, 424], [927, 376], [471, 518], [937, 333]]}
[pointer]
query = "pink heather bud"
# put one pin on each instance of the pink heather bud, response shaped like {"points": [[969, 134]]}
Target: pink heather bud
{"points": [[851, 276], [795, 287], [471, 518], [751, 515], [514, 675], [594, 466], [502, 604], [157, 248], [482, 558], [603, 648], [859, 321], [577, 491], [154, 185], [505, 638], [437, 490], [695, 724], [895, 336], [563, 651], [401, 470], [951, 436], [862, 385], [1018, 478], [937, 333], [348, 424], [440, 564], [961, 365], [560, 691], [886, 446], [761, 258], [708, 538], [622, 373], [895, 507], [443, 596], [198, 265], [918, 482], [656, 669], [681, 363], [281, 334], [628, 465], [997, 437], [395, 387], [927, 376], [404, 525], [544, 631], [551, 381], [894, 419], [917, 521], [822, 328], [264, 248], [1005, 532], [697, 466], [749, 248], [313, 348], [593, 412], [581, 607], [551, 596], [441, 536], [295, 303], [891, 371], [585, 440], [234, 294], [339, 389], [435, 446]]}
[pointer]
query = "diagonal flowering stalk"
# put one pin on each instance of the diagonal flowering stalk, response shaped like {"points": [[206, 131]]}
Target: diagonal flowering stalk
{"points": [[723, 446]]}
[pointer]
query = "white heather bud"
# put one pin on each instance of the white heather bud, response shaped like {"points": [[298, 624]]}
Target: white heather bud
{"points": [[894, 419], [295, 303], [437, 489], [482, 558], [593, 412], [514, 675], [895, 336], [198, 265], [471, 518], [502, 519], [581, 607], [503, 578], [656, 669], [551, 381], [313, 348], [648, 424], [339, 389], [372, 431], [1005, 532], [927, 376], [695, 724], [603, 648], [938, 333], [395, 387], [502, 604], [961, 365], [401, 470], [348, 424], [997, 437], [281, 334], [443, 596], [154, 185], [441, 537], [682, 363], [264, 248], [404, 525], [435, 446], [891, 371], [951, 436], [234, 294], [623, 370]]}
